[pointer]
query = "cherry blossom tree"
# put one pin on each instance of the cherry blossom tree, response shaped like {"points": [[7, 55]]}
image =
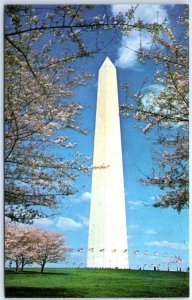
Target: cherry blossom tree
{"points": [[37, 86], [49, 248], [163, 110], [26, 245], [42, 48], [9, 233], [19, 244]]}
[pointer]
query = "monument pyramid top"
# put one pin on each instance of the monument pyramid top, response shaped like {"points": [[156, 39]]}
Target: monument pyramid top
{"points": [[107, 62]]}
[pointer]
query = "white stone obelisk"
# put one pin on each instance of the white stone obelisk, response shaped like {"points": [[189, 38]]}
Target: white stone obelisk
{"points": [[107, 245]]}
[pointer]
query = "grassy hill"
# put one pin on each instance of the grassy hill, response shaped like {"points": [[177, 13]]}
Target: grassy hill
{"points": [[90, 283]]}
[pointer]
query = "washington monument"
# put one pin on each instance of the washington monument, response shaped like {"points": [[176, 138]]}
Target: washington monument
{"points": [[107, 245]]}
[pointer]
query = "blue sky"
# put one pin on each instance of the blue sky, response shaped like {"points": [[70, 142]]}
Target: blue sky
{"points": [[163, 233]]}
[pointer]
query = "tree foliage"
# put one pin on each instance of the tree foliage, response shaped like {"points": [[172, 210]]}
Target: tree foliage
{"points": [[42, 49], [28, 245], [38, 84], [163, 110], [50, 248]]}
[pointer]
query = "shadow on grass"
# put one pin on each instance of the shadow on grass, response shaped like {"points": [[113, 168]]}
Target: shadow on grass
{"points": [[37, 273], [24, 292]]}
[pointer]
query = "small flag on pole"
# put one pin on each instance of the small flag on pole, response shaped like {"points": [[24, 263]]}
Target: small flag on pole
{"points": [[179, 260], [70, 249], [138, 266], [80, 250], [90, 249]]}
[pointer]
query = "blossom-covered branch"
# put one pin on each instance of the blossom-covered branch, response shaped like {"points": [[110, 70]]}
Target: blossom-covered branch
{"points": [[163, 108]]}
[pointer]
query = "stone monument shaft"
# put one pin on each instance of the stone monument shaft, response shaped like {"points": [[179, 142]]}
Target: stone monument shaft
{"points": [[107, 245]]}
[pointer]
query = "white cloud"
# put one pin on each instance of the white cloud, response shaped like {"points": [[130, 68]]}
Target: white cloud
{"points": [[86, 196], [127, 56], [127, 53], [146, 12], [83, 219], [150, 231], [135, 203], [67, 224], [116, 8], [148, 98], [166, 244], [43, 222], [149, 13]]}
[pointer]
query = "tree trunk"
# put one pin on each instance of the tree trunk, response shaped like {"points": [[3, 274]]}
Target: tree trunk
{"points": [[22, 264], [17, 265], [42, 267]]}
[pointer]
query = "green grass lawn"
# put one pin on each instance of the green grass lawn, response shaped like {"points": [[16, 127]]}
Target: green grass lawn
{"points": [[89, 283]]}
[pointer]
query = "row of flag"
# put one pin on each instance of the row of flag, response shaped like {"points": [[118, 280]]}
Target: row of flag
{"points": [[178, 258], [81, 250], [102, 250], [137, 252]]}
